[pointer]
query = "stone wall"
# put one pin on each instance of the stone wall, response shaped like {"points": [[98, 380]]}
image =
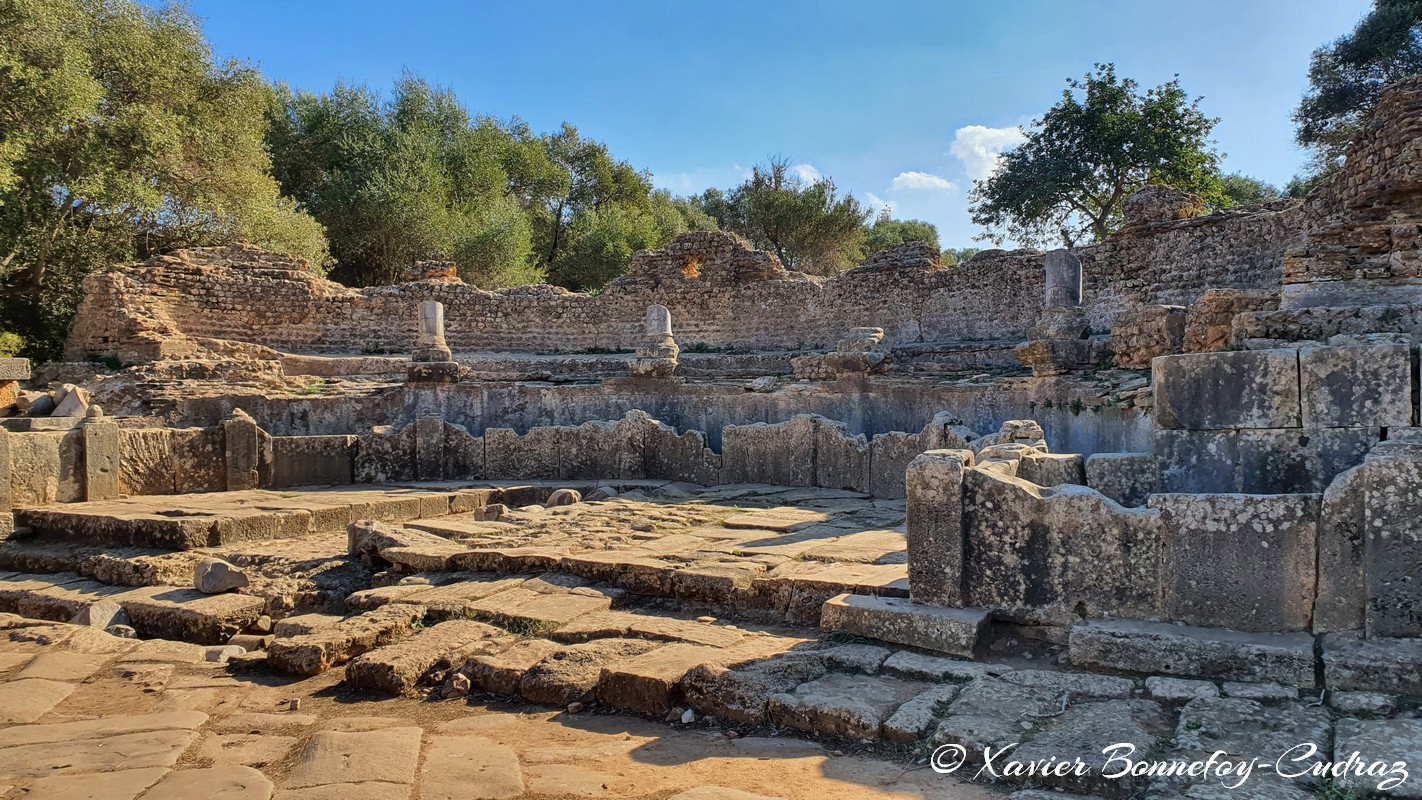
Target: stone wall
{"points": [[42, 468], [981, 536], [721, 293]]}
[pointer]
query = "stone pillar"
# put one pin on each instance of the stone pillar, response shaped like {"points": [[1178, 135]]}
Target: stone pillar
{"points": [[657, 357], [429, 344], [934, 487], [101, 455], [7, 516], [1063, 280], [431, 361], [12, 371], [243, 439], [429, 448], [1392, 539]]}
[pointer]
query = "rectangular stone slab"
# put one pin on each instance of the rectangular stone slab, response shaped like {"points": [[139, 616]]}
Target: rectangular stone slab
{"points": [[1347, 387], [896, 620], [1159, 648], [1216, 391]]}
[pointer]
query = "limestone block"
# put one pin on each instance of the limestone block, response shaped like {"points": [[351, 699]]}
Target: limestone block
{"points": [[1166, 649], [1298, 459], [841, 461], [1347, 387], [1050, 555], [668, 455], [1046, 357], [898, 620], [934, 485], [9, 397], [312, 460], [1197, 461], [1141, 333], [463, 454], [199, 460], [240, 432], [5, 492], [1209, 324], [101, 459], [1216, 391], [1127, 478], [14, 369], [600, 449], [890, 453], [1392, 545], [146, 461], [534, 455], [1352, 663], [1246, 562], [75, 402], [1052, 469], [1341, 600], [429, 447], [386, 454], [782, 454]]}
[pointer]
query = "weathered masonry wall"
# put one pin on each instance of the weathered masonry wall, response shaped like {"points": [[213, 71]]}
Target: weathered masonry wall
{"points": [[873, 408], [101, 460], [721, 294]]}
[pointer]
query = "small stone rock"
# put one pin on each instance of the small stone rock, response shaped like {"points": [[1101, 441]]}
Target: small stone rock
{"points": [[1363, 704], [533, 509], [459, 684], [251, 642], [71, 401], [575, 708], [215, 576], [122, 631], [1179, 690], [1263, 692], [294, 705], [764, 384], [263, 625], [220, 653], [706, 620], [414, 580], [101, 614], [600, 493], [688, 717], [564, 497]]}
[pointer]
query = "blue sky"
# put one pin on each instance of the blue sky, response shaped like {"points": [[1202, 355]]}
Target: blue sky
{"points": [[901, 103]]}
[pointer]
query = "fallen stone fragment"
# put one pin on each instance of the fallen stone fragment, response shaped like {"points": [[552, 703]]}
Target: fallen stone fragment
{"points": [[397, 668], [215, 576], [314, 653], [564, 497]]}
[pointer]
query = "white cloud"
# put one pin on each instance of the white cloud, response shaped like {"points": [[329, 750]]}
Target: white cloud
{"points": [[805, 172], [980, 148], [923, 181], [877, 204]]}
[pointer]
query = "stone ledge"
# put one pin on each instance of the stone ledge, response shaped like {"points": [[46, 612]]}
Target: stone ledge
{"points": [[1162, 648], [954, 631]]}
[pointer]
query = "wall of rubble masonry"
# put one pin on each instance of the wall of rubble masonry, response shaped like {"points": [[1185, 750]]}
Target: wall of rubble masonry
{"points": [[721, 293]]}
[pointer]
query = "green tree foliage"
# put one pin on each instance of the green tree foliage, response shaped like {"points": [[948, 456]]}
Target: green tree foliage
{"points": [[806, 224], [953, 256], [1104, 140], [119, 138], [1242, 190], [887, 232], [1347, 76], [417, 177], [396, 181]]}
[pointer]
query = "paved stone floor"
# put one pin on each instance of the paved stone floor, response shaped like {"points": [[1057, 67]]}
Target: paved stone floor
{"points": [[87, 715]]}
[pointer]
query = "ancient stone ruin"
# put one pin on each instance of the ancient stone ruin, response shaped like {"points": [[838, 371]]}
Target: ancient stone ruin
{"points": [[1163, 490]]}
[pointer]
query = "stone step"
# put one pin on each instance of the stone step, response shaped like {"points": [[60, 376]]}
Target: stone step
{"points": [[166, 612], [954, 631], [397, 668], [1160, 648], [316, 652], [222, 518]]}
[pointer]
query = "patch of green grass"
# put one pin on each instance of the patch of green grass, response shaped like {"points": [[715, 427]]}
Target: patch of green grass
{"points": [[314, 389]]}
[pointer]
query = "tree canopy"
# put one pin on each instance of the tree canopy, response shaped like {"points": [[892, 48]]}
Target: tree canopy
{"points": [[1101, 142], [887, 232], [806, 223], [121, 137], [1241, 190], [1347, 76]]}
